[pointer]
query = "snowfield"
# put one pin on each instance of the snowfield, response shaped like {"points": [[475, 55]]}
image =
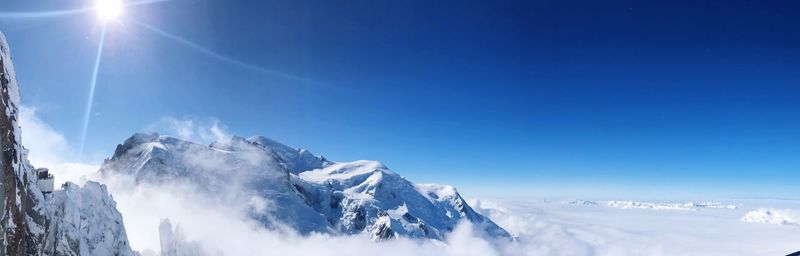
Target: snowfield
{"points": [[773, 216]]}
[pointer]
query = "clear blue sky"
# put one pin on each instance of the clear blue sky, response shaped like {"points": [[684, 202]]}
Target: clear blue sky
{"points": [[497, 97]]}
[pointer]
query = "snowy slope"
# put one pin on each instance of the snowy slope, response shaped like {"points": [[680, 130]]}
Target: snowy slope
{"points": [[285, 185], [85, 221], [73, 221], [296, 160], [367, 196], [237, 172]]}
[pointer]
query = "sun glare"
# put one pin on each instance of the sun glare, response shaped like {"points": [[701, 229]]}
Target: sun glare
{"points": [[108, 9]]}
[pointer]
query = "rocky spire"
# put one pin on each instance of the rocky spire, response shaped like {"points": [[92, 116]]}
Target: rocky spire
{"points": [[73, 220], [22, 204]]}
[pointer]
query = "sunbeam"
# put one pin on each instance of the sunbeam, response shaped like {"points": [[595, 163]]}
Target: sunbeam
{"points": [[143, 2], [92, 86], [227, 59], [45, 14]]}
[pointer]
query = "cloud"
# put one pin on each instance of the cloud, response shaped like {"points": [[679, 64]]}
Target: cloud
{"points": [[541, 228], [547, 228], [220, 229], [49, 148], [223, 227], [46, 145], [205, 131]]}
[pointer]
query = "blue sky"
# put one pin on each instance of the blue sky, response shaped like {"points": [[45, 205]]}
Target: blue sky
{"points": [[508, 98]]}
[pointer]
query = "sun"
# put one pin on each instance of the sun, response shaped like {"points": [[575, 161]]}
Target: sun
{"points": [[108, 9]]}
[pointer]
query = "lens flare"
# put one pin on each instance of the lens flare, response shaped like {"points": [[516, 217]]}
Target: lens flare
{"points": [[92, 86], [108, 9]]}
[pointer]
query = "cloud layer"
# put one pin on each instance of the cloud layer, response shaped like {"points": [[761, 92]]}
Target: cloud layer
{"points": [[542, 227]]}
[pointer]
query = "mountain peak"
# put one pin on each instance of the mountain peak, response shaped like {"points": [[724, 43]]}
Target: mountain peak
{"points": [[264, 141]]}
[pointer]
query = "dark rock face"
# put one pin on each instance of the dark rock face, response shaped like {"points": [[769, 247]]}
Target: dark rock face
{"points": [[21, 200], [384, 231], [74, 220]]}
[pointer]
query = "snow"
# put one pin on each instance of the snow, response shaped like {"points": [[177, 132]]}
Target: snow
{"points": [[689, 206], [85, 222], [296, 159], [13, 88], [580, 202], [370, 188], [174, 242], [622, 204], [344, 171], [436, 192], [773, 216], [24, 224], [231, 173]]}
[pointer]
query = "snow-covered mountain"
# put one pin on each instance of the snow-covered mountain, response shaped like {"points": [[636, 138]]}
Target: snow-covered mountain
{"points": [[367, 196], [282, 185], [38, 220], [84, 221]]}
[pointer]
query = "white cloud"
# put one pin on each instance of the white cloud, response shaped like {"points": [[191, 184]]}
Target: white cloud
{"points": [[224, 230], [542, 228], [46, 145], [204, 131], [49, 148], [554, 228]]}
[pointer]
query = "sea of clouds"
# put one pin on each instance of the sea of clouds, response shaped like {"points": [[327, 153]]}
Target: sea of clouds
{"points": [[201, 226]]}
